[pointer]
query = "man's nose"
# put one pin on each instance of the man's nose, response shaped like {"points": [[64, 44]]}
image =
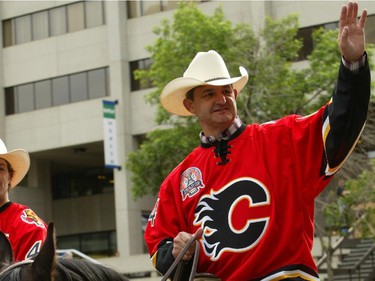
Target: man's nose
{"points": [[220, 98]]}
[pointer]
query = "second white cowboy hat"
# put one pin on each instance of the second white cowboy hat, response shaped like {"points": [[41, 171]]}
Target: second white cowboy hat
{"points": [[207, 68], [19, 160]]}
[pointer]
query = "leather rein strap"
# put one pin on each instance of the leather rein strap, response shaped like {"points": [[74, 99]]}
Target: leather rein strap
{"points": [[180, 263]]}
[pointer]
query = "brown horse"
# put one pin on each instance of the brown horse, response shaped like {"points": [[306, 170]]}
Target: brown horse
{"points": [[47, 267]]}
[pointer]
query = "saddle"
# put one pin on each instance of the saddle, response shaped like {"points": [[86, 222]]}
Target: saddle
{"points": [[179, 265]]}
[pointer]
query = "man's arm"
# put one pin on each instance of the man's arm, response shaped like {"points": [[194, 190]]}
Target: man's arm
{"points": [[345, 117]]}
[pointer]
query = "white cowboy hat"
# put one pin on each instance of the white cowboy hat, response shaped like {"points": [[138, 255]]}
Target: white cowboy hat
{"points": [[207, 68], [18, 159]]}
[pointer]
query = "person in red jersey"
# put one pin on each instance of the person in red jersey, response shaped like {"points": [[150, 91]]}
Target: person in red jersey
{"points": [[251, 188], [24, 229]]}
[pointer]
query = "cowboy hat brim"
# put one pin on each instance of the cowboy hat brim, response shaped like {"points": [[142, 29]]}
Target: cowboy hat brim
{"points": [[174, 92], [19, 160]]}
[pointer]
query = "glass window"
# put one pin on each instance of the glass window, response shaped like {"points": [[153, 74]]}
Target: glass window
{"points": [[60, 91], [305, 34], [95, 243], [78, 87], [94, 13], [76, 20], [133, 9], [43, 94], [68, 242], [135, 84], [135, 65], [150, 7], [331, 25], [169, 5], [58, 23], [40, 25], [25, 98], [97, 82], [23, 29], [82, 183], [8, 33], [10, 101]]}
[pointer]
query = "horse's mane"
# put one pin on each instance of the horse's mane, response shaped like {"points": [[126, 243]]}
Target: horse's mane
{"points": [[13, 275], [82, 270], [72, 270]]}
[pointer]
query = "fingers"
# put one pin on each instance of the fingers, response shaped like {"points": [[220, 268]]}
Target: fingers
{"points": [[362, 20], [181, 241], [352, 12], [343, 17], [198, 234], [349, 15]]}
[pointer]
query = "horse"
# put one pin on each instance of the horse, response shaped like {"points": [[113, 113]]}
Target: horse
{"points": [[47, 267]]}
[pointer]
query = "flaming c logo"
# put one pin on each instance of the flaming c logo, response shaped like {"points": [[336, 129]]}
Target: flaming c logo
{"points": [[234, 218]]}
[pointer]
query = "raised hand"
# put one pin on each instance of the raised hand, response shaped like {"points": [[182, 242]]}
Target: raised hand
{"points": [[351, 38]]}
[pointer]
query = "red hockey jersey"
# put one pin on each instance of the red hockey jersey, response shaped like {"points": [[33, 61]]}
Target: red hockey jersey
{"points": [[24, 229], [235, 203]]}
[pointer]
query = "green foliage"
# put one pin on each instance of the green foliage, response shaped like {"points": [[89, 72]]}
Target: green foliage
{"points": [[162, 150], [322, 73], [273, 89], [361, 200]]}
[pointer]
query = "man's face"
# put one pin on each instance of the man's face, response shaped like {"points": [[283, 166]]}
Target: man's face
{"points": [[4, 177], [215, 107]]}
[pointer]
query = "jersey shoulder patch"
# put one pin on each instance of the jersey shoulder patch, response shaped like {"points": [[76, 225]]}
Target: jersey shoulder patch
{"points": [[30, 217]]}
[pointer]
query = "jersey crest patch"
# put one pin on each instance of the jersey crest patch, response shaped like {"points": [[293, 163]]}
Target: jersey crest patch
{"points": [[190, 182], [30, 217]]}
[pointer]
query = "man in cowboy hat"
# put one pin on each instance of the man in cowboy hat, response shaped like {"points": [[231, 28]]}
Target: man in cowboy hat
{"points": [[24, 229], [251, 188]]}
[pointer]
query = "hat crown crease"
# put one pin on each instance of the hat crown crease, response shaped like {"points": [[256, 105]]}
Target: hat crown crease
{"points": [[206, 66]]}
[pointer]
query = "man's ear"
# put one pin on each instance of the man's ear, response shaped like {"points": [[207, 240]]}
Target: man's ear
{"points": [[188, 104], [235, 92]]}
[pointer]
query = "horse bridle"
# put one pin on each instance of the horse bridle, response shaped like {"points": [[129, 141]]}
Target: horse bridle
{"points": [[14, 265]]}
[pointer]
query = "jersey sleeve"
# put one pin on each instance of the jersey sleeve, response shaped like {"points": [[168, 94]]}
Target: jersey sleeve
{"points": [[30, 235], [159, 234], [345, 116], [32, 241]]}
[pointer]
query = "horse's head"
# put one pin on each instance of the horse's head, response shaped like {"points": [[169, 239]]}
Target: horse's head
{"points": [[6, 253], [43, 268], [46, 267]]}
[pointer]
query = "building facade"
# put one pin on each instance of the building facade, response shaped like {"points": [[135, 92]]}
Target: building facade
{"points": [[59, 60]]}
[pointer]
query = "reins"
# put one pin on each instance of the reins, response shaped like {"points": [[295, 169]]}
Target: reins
{"points": [[178, 262], [15, 265]]}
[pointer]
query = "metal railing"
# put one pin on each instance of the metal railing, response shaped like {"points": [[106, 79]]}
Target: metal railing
{"points": [[357, 266], [69, 253], [338, 243]]}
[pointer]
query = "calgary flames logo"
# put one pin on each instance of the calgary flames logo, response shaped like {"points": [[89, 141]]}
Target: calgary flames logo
{"points": [[234, 218], [30, 217]]}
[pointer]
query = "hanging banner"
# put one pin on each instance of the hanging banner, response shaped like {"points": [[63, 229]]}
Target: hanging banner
{"points": [[110, 143]]}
